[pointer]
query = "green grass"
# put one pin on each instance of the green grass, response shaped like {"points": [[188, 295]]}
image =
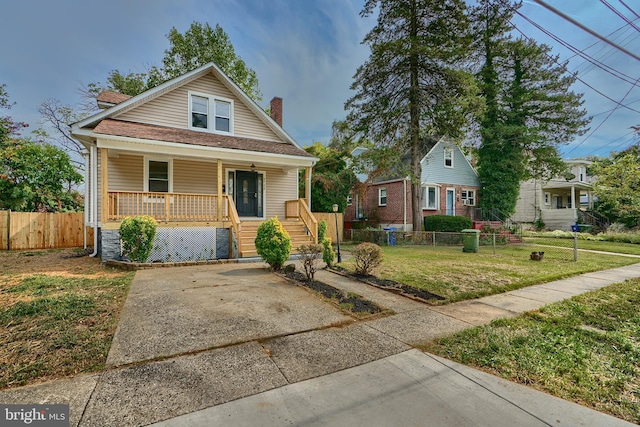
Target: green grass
{"points": [[456, 276], [586, 349], [54, 326]]}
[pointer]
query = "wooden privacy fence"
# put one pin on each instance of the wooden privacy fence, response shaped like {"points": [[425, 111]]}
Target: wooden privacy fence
{"points": [[33, 230], [331, 224]]}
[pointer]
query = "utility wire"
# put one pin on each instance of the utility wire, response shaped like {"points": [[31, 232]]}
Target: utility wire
{"points": [[630, 10], [624, 77], [620, 14], [587, 29]]}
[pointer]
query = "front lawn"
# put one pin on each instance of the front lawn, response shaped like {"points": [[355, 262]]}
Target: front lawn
{"points": [[586, 349], [58, 314], [455, 275]]}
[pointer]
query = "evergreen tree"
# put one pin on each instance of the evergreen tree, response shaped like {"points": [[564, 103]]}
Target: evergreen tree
{"points": [[529, 109], [412, 84]]}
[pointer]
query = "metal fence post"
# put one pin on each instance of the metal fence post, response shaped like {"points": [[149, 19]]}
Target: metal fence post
{"points": [[494, 243], [434, 239]]}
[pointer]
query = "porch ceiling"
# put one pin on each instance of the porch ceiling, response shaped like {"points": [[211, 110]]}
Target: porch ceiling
{"points": [[559, 185]]}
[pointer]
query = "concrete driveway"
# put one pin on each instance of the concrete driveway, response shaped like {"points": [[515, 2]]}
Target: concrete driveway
{"points": [[181, 310]]}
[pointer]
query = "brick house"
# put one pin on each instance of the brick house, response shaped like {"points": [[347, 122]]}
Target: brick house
{"points": [[450, 186]]}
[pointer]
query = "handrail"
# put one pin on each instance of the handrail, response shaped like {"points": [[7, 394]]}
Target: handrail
{"points": [[235, 221], [182, 207], [309, 220]]}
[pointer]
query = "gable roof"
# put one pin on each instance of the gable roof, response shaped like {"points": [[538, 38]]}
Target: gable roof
{"points": [[135, 101]]}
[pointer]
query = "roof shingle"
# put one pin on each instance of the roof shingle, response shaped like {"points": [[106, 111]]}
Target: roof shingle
{"points": [[191, 137], [111, 97]]}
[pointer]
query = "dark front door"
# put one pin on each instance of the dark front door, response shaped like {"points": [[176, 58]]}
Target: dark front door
{"points": [[247, 193]]}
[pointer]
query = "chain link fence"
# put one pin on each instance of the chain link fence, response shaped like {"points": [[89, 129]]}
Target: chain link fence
{"points": [[537, 247]]}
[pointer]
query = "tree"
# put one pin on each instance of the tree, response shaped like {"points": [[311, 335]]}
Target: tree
{"points": [[199, 45], [37, 178], [8, 127], [331, 181], [529, 110], [413, 83], [616, 188]]}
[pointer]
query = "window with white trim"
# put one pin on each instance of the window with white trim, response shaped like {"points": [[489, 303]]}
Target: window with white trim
{"points": [[158, 175], [448, 157], [547, 199], [468, 197], [429, 197], [382, 197], [210, 113]]}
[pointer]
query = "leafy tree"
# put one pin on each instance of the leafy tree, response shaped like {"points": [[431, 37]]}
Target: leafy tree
{"points": [[331, 181], [37, 178], [199, 45], [8, 127], [413, 84], [529, 110], [617, 186]]}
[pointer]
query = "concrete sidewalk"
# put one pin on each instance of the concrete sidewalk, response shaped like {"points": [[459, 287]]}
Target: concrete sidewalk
{"points": [[323, 374]]}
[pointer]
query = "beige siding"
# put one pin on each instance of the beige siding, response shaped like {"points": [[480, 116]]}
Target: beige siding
{"points": [[281, 186], [172, 109], [528, 201], [126, 173], [194, 177]]}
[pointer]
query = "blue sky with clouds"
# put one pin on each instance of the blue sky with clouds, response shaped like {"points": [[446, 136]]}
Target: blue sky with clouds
{"points": [[304, 51]]}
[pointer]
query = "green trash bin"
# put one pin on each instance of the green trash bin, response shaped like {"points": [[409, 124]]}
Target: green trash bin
{"points": [[470, 240]]}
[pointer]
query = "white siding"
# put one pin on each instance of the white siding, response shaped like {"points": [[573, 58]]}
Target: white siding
{"points": [[281, 186], [126, 173], [172, 109]]}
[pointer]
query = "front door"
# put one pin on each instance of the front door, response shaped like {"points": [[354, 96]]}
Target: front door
{"points": [[247, 193], [451, 207]]}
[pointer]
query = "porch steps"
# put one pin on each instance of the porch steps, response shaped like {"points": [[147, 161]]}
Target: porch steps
{"points": [[296, 229]]}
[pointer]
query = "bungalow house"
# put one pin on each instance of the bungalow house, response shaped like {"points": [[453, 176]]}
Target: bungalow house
{"points": [[202, 158], [450, 186], [558, 202]]}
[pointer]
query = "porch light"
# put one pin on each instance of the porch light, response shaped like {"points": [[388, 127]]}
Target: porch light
{"points": [[253, 167], [335, 213]]}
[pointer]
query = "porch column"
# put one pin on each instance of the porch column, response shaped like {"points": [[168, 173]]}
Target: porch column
{"points": [[104, 179], [219, 212], [307, 188]]}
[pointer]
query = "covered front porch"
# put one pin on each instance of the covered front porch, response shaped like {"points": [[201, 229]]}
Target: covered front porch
{"points": [[184, 193], [562, 202]]}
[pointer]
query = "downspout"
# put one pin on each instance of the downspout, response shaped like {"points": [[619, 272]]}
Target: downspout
{"points": [[85, 155], [94, 198]]}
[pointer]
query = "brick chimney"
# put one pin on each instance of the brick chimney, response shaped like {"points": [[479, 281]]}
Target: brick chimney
{"points": [[276, 110]]}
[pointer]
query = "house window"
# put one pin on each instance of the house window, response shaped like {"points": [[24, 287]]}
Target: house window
{"points": [[158, 173], [569, 202], [448, 157], [382, 197], [349, 200], [581, 173], [199, 112], [547, 199], [429, 197], [211, 113], [469, 197]]}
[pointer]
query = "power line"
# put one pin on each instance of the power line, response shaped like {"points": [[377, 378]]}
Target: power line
{"points": [[620, 14], [587, 29], [630, 10]]}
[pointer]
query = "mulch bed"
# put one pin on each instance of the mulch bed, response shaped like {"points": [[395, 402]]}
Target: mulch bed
{"points": [[391, 285], [356, 303]]}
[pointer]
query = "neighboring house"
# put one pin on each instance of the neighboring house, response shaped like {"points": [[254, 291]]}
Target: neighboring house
{"points": [[558, 201], [450, 186], [202, 158]]}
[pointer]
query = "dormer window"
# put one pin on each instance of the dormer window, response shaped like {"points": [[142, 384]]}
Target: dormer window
{"points": [[448, 157], [210, 113]]}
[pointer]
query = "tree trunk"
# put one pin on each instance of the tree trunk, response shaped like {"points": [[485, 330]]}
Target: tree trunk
{"points": [[414, 123]]}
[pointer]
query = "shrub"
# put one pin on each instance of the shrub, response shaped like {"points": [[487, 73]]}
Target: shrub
{"points": [[137, 235], [328, 254], [367, 256], [322, 230], [273, 243], [447, 223], [309, 256]]}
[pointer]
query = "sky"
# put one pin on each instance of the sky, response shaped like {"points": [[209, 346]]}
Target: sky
{"points": [[305, 51]]}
